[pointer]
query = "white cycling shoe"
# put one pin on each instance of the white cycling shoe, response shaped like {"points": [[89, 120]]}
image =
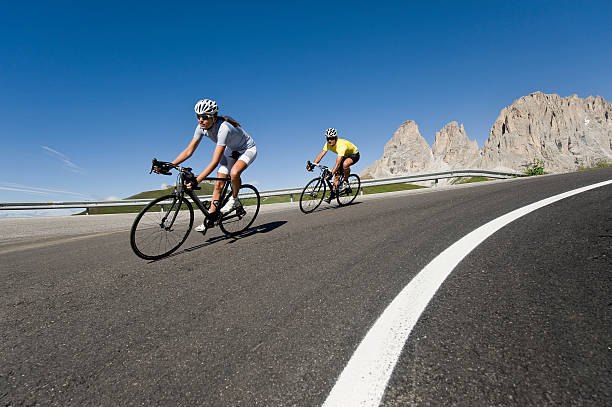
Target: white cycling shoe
{"points": [[230, 205], [200, 228]]}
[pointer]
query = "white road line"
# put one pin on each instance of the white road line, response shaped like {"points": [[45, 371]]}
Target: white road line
{"points": [[364, 379]]}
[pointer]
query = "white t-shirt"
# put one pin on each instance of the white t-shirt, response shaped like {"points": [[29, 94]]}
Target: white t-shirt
{"points": [[224, 134]]}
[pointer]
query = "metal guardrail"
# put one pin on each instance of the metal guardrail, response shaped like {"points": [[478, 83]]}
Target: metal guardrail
{"points": [[276, 192]]}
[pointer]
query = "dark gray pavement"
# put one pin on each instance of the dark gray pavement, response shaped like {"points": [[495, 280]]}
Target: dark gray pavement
{"points": [[272, 318]]}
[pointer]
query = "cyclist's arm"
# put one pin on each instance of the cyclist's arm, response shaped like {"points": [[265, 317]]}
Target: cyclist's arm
{"points": [[337, 164], [217, 154], [187, 152], [320, 156]]}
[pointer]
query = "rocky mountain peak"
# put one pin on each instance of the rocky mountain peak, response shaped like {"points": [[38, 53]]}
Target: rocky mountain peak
{"points": [[453, 149], [405, 153], [563, 133]]}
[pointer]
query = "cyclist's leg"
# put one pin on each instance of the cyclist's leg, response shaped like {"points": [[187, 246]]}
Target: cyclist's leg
{"points": [[217, 192], [337, 175], [224, 169], [237, 169], [241, 164], [335, 183], [346, 168], [346, 164]]}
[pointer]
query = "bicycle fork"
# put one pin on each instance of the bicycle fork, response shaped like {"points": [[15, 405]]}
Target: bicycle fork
{"points": [[163, 220]]}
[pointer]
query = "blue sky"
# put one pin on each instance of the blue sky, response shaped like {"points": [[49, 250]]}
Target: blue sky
{"points": [[90, 92]]}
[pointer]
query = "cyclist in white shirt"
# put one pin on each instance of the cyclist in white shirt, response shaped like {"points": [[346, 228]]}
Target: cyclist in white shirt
{"points": [[234, 152]]}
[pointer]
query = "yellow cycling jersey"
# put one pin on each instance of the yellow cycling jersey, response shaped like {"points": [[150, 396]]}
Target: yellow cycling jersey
{"points": [[342, 147]]}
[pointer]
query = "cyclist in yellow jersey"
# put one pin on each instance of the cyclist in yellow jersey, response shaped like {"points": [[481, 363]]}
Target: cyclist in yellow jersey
{"points": [[347, 156]]}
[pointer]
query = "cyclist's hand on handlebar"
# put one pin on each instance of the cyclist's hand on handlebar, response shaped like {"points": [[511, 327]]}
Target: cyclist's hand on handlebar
{"points": [[192, 184], [160, 168], [191, 181]]}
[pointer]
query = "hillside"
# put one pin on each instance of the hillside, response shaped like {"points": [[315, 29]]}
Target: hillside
{"points": [[206, 189]]}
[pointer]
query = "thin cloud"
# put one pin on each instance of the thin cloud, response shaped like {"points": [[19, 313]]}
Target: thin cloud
{"points": [[69, 164], [29, 191], [39, 191], [39, 213]]}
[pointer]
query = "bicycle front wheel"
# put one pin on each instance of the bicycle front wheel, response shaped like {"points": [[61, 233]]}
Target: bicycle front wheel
{"points": [[161, 227], [312, 195], [349, 192], [243, 216]]}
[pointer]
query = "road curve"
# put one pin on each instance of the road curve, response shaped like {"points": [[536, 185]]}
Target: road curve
{"points": [[273, 318]]}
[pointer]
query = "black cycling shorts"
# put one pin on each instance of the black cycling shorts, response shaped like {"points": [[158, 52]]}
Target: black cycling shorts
{"points": [[354, 157]]}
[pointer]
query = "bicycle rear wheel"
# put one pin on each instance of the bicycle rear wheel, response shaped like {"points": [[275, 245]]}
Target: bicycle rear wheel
{"points": [[161, 227], [312, 195], [243, 216], [348, 194]]}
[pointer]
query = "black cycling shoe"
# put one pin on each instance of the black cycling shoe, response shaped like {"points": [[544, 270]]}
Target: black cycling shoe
{"points": [[212, 219], [330, 197]]}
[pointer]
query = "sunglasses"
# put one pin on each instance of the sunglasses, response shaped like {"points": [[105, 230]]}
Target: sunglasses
{"points": [[203, 116], [331, 138]]}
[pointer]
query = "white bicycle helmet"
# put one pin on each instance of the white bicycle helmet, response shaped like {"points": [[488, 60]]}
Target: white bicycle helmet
{"points": [[206, 106], [331, 133]]}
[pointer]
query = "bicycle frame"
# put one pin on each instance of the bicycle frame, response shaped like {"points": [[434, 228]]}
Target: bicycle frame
{"points": [[323, 177], [180, 190]]}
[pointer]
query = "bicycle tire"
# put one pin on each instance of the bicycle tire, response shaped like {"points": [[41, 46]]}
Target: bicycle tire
{"points": [[312, 195], [241, 218], [348, 196], [150, 239]]}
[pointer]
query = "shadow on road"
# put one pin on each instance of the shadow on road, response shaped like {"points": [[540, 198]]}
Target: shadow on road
{"points": [[333, 206], [265, 228]]}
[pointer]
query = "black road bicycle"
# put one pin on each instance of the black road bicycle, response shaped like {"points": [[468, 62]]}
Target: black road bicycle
{"points": [[313, 193], [163, 225]]}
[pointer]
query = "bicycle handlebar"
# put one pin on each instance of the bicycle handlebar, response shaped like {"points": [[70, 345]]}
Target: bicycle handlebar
{"points": [[323, 167], [164, 167]]}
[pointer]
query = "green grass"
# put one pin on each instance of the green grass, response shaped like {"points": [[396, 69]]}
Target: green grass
{"points": [[390, 188], [207, 190], [279, 199], [468, 180], [601, 164]]}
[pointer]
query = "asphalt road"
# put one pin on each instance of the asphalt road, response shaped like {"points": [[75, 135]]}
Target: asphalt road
{"points": [[272, 318]]}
